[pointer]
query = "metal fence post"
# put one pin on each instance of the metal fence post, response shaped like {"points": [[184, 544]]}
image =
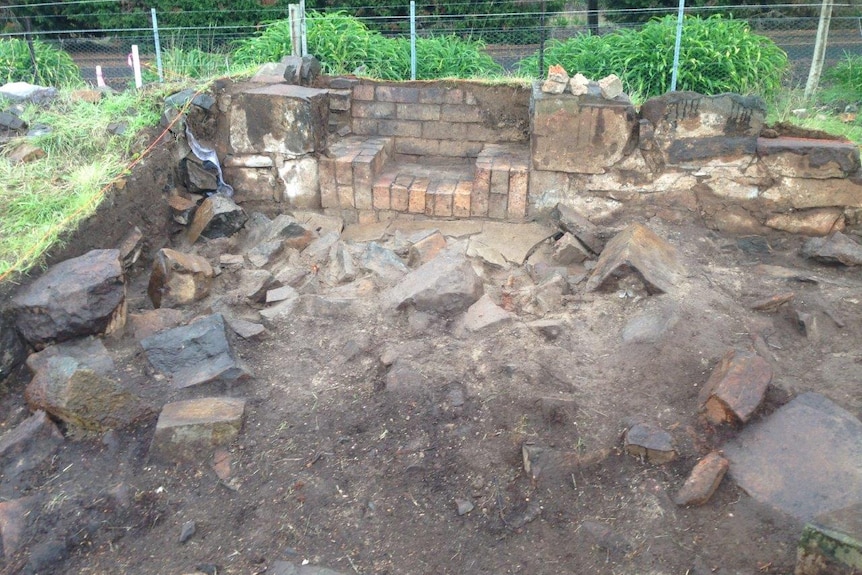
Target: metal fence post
{"points": [[675, 73], [412, 39], [158, 45], [303, 35]]}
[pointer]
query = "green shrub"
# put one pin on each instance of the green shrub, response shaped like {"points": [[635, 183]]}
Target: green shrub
{"points": [[717, 55], [344, 44], [54, 67], [843, 81]]}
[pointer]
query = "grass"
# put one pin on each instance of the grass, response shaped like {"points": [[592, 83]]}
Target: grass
{"points": [[47, 198]]}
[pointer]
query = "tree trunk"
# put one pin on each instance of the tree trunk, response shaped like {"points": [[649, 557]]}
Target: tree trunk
{"points": [[819, 49]]}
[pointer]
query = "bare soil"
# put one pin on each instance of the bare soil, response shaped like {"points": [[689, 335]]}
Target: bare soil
{"points": [[334, 468]]}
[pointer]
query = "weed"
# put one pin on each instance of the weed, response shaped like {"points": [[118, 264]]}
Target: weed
{"points": [[53, 67]]}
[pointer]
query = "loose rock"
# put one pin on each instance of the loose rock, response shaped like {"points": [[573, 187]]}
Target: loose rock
{"points": [[190, 430], [178, 279], [218, 216], [195, 354], [29, 444], [834, 249], [485, 314], [703, 480], [77, 297], [446, 285], [736, 387], [650, 442]]}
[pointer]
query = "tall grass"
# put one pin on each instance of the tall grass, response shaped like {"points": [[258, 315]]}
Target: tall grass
{"points": [[717, 55], [843, 81], [53, 67], [46, 198], [344, 45]]}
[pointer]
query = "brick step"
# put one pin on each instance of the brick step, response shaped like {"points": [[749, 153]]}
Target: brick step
{"points": [[431, 187], [347, 174], [502, 178]]}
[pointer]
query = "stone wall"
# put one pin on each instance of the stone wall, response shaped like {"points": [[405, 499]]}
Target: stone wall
{"points": [[450, 119], [680, 156]]}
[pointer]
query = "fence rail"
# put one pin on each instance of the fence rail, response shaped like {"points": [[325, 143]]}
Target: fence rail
{"points": [[509, 37]]}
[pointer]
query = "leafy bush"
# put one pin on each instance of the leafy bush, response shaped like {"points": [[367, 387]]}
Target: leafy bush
{"points": [[53, 67], [843, 81], [717, 55], [344, 44]]}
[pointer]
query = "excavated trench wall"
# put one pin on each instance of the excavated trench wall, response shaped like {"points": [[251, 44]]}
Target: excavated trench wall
{"points": [[680, 156]]}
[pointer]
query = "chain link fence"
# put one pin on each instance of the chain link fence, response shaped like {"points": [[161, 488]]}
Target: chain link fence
{"points": [[205, 41]]}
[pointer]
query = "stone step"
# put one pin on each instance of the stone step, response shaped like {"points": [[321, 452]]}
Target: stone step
{"points": [[347, 174], [502, 177], [433, 187]]}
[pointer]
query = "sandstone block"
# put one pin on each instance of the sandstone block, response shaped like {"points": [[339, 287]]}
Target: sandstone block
{"points": [[281, 119], [703, 480], [637, 250], [191, 430], [178, 278], [736, 387], [80, 296], [195, 354], [807, 158]]}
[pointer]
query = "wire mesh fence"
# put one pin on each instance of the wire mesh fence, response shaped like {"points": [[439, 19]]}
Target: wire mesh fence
{"points": [[200, 41]]}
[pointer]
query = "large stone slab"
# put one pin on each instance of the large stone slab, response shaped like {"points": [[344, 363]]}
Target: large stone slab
{"points": [[279, 118], [194, 354], [513, 242], [805, 459], [191, 430], [77, 297], [76, 382], [832, 544], [808, 158], [638, 251], [580, 134], [687, 129], [446, 285], [178, 278]]}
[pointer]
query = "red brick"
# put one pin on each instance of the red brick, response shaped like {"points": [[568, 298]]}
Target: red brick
{"points": [[403, 128], [381, 193], [400, 197], [417, 196], [363, 92], [461, 201], [497, 206], [328, 184], [443, 199], [417, 146], [345, 196], [459, 113], [397, 94], [460, 149], [443, 131], [378, 110], [517, 207], [418, 112], [499, 181], [367, 216], [481, 191], [364, 127]]}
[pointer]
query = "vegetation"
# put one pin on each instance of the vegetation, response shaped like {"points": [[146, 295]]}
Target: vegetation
{"points": [[53, 67], [45, 198], [717, 55], [345, 45], [843, 81]]}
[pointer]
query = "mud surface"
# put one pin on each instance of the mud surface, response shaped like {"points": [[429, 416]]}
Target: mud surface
{"points": [[335, 468]]}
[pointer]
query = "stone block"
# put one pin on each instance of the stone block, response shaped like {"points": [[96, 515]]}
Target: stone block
{"points": [[611, 87], [443, 95], [418, 191], [417, 146], [834, 249], [815, 222], [300, 183], [218, 216], [426, 249], [77, 297], [802, 193], [569, 220], [191, 430], [153, 321], [446, 285], [517, 205], [481, 193], [805, 459], [639, 254], [485, 314], [380, 193], [402, 94], [461, 201], [363, 92], [580, 134], [418, 112], [373, 110], [498, 206], [195, 354], [327, 182], [255, 184], [703, 480], [736, 387], [28, 444], [650, 442], [401, 128], [807, 158], [279, 118], [178, 278], [460, 113], [400, 194]]}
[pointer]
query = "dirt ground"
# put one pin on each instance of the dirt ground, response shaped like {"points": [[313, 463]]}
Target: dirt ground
{"points": [[334, 468]]}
